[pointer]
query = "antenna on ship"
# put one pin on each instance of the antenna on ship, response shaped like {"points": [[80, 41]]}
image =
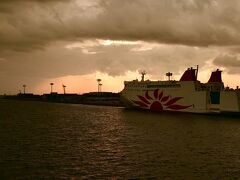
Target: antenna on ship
{"points": [[197, 71], [100, 87], [169, 74], [143, 73]]}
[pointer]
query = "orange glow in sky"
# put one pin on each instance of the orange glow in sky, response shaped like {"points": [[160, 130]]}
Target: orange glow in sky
{"points": [[88, 83]]}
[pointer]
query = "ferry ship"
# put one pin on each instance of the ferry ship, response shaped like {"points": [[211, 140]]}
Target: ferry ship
{"points": [[186, 95]]}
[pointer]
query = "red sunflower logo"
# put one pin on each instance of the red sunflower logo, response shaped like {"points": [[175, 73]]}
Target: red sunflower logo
{"points": [[159, 102]]}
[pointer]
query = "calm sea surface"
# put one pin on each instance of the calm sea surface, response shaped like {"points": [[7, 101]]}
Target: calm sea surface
{"points": [[46, 141]]}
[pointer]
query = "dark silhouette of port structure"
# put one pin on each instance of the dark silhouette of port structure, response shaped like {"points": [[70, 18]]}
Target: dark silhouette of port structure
{"points": [[91, 98]]}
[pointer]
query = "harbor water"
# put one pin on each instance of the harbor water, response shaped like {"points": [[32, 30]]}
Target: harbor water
{"points": [[40, 140]]}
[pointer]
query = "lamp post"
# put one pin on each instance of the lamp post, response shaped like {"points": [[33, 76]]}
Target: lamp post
{"points": [[51, 84], [99, 80], [100, 87], [64, 89], [24, 89]]}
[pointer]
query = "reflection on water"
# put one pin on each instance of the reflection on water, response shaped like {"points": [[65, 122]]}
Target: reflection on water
{"points": [[46, 140]]}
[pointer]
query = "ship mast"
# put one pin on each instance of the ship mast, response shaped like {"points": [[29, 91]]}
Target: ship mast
{"points": [[143, 73], [197, 72]]}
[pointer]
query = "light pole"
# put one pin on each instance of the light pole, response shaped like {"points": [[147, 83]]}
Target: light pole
{"points": [[64, 89], [100, 87], [24, 88], [51, 84], [99, 80]]}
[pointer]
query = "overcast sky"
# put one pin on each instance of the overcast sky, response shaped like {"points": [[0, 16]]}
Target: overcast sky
{"points": [[73, 42]]}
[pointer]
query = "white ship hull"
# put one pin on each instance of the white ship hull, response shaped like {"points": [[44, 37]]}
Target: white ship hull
{"points": [[181, 96]]}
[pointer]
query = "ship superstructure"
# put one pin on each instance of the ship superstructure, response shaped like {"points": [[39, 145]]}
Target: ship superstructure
{"points": [[186, 95]]}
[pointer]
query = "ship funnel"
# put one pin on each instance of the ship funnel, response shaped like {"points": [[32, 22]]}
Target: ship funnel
{"points": [[216, 76], [189, 75]]}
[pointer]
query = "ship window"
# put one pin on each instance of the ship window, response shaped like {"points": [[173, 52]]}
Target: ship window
{"points": [[164, 86], [215, 97]]}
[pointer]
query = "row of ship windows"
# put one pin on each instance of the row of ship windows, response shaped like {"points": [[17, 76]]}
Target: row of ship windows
{"points": [[154, 86], [164, 85]]}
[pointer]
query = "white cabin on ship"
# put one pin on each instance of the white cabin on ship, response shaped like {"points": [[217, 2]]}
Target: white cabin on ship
{"points": [[186, 95]]}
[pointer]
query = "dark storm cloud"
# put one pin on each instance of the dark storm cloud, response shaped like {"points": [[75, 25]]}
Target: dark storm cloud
{"points": [[188, 22], [89, 57], [227, 60], [174, 35], [7, 6], [27, 24], [231, 62], [13, 1]]}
